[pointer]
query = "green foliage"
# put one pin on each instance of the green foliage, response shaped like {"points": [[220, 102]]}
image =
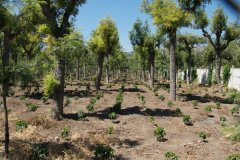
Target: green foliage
{"points": [[234, 157], [170, 104], [21, 125], [234, 97], [110, 130], [208, 109], [39, 152], [99, 95], [226, 74], [235, 109], [118, 102], [171, 156], [31, 106], [178, 111], [223, 121], [233, 133], [202, 135], [104, 152], [142, 99], [195, 103], [187, 120], [90, 107], [159, 133], [112, 115], [81, 115], [22, 98], [49, 83], [44, 98], [65, 133], [161, 97]]}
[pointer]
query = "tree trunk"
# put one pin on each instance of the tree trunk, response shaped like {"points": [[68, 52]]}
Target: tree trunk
{"points": [[151, 70], [107, 70], [189, 67], [218, 69], [58, 93], [84, 70], [5, 64], [78, 68], [99, 70], [173, 66]]}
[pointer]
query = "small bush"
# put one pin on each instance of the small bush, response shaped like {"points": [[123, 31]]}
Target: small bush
{"points": [[161, 97], [171, 156], [110, 130], [187, 119], [169, 103], [208, 109], [159, 133], [195, 104], [65, 133], [39, 152], [202, 135], [178, 111], [21, 125], [81, 115], [112, 115], [234, 157], [31, 106], [104, 152]]}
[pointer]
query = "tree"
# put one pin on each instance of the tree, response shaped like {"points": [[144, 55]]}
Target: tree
{"points": [[104, 42], [224, 34], [190, 41], [170, 16], [58, 14]]}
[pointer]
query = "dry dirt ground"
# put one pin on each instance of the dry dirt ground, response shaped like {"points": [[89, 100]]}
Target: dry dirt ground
{"points": [[133, 136]]}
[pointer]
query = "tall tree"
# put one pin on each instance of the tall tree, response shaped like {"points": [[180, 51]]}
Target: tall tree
{"points": [[170, 15], [104, 42], [224, 34], [58, 14], [190, 41]]}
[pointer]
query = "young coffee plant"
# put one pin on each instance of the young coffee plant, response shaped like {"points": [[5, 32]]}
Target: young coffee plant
{"points": [[169, 103], [223, 121], [195, 104], [67, 101], [171, 156], [65, 133], [159, 133], [234, 157], [151, 118], [142, 99], [21, 125], [218, 105], [22, 98], [161, 97], [208, 109], [187, 120], [112, 115], [203, 136], [110, 130], [81, 115], [39, 152], [178, 112], [31, 106], [99, 95], [235, 109], [104, 152]]}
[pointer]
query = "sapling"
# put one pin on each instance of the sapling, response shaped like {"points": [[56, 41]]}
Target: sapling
{"points": [[169, 103], [208, 109], [112, 115], [110, 130], [195, 104], [171, 156], [178, 111], [142, 98], [218, 105], [159, 133], [187, 119], [31, 106], [161, 97], [21, 125], [65, 133], [90, 107], [104, 152], [81, 115], [203, 136]]}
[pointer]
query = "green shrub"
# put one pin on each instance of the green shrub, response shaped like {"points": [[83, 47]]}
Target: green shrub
{"points": [[99, 95], [159, 133], [21, 125], [202, 135], [161, 97], [31, 106], [112, 115], [235, 109], [90, 107], [171, 156], [187, 119], [169, 103], [195, 104], [110, 130], [39, 152], [208, 109], [104, 152], [178, 111], [65, 133], [49, 83], [234, 157], [81, 115]]}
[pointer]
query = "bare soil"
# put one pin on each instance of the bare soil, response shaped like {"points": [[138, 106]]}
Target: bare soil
{"points": [[133, 136]]}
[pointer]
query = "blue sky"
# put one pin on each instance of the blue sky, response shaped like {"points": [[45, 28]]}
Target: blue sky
{"points": [[124, 13]]}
